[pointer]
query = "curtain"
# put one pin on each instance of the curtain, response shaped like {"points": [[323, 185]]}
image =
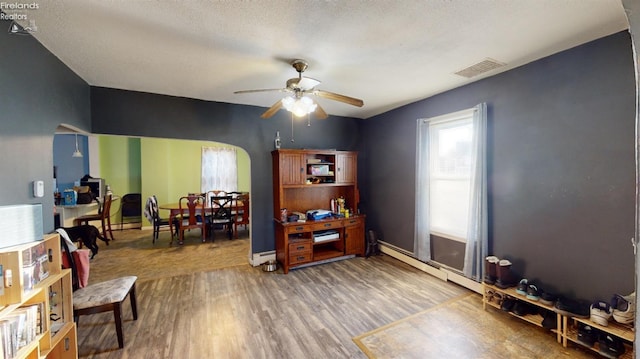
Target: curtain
{"points": [[219, 169], [477, 237], [422, 240]]}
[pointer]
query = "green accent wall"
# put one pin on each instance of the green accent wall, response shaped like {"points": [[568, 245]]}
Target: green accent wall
{"points": [[120, 163]]}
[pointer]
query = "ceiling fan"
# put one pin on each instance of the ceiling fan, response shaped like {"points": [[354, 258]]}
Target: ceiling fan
{"points": [[298, 103]]}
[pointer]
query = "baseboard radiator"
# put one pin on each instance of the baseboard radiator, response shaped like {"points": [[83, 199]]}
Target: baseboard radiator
{"points": [[259, 258], [441, 272]]}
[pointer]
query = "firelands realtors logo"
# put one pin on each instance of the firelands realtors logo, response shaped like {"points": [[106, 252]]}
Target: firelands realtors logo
{"points": [[18, 11]]}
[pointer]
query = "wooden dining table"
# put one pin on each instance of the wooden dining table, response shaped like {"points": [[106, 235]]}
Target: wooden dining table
{"points": [[174, 209]]}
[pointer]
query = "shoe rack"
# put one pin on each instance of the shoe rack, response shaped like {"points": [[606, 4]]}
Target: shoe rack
{"points": [[567, 326], [624, 332], [489, 298]]}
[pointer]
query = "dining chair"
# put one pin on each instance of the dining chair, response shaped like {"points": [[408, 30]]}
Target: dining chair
{"points": [[130, 207], [153, 215], [191, 216], [101, 297], [220, 214], [216, 192], [241, 212], [103, 215]]}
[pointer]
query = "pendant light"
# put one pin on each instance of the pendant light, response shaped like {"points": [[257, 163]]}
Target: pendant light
{"points": [[77, 152]]}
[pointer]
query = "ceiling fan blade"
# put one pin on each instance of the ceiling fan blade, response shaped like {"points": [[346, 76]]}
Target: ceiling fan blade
{"points": [[272, 110], [260, 90], [320, 113], [307, 83], [304, 84], [337, 97]]}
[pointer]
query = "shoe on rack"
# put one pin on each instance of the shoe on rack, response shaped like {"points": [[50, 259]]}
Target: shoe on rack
{"points": [[523, 308], [488, 294], [490, 264], [549, 319], [506, 278], [624, 308], [601, 312], [610, 346], [507, 304], [533, 292], [573, 308], [587, 335], [522, 286], [548, 298]]}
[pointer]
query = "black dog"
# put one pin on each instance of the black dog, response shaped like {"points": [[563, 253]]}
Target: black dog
{"points": [[88, 234]]}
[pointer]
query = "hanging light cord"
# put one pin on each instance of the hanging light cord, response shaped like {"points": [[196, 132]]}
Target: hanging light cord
{"points": [[292, 140]]}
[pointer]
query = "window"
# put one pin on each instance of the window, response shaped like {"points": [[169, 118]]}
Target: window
{"points": [[450, 168], [451, 186], [219, 169]]}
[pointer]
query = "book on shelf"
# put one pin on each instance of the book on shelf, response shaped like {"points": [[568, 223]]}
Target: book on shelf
{"points": [[20, 328]]}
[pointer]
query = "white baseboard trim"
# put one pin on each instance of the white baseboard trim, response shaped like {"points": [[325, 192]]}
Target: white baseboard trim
{"points": [[463, 281], [386, 249], [258, 258], [440, 273]]}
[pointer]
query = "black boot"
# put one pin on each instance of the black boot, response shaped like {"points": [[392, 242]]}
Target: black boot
{"points": [[506, 278], [490, 264]]}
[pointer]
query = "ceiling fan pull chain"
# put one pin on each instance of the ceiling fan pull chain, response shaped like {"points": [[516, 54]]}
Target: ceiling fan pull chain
{"points": [[292, 140], [308, 120]]}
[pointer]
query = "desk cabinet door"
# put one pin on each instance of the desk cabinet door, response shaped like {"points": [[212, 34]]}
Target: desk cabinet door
{"points": [[346, 167], [354, 236], [292, 168]]}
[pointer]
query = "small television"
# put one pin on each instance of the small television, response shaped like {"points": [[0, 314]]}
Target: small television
{"points": [[96, 185]]}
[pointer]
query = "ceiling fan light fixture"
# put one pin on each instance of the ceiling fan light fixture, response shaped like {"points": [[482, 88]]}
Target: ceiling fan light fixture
{"points": [[299, 107]]}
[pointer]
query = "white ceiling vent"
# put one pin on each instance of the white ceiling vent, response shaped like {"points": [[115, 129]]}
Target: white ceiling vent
{"points": [[480, 68]]}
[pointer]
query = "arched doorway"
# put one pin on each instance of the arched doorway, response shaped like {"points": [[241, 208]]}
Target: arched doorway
{"points": [[166, 168]]}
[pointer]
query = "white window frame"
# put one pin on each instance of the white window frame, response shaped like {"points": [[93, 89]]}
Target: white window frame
{"points": [[476, 241]]}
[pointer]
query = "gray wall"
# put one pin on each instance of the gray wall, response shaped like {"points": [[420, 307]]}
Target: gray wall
{"points": [[560, 161], [37, 93]]}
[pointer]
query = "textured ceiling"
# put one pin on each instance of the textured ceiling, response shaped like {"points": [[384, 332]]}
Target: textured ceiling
{"points": [[388, 53]]}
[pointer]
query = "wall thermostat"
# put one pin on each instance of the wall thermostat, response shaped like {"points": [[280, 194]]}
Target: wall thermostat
{"points": [[38, 188]]}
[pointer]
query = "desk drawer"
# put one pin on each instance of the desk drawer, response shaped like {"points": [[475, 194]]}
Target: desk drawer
{"points": [[351, 222], [299, 257], [299, 247], [325, 225], [298, 228]]}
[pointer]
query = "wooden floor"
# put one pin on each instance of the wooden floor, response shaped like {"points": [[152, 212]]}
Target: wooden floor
{"points": [[206, 301], [478, 334]]}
